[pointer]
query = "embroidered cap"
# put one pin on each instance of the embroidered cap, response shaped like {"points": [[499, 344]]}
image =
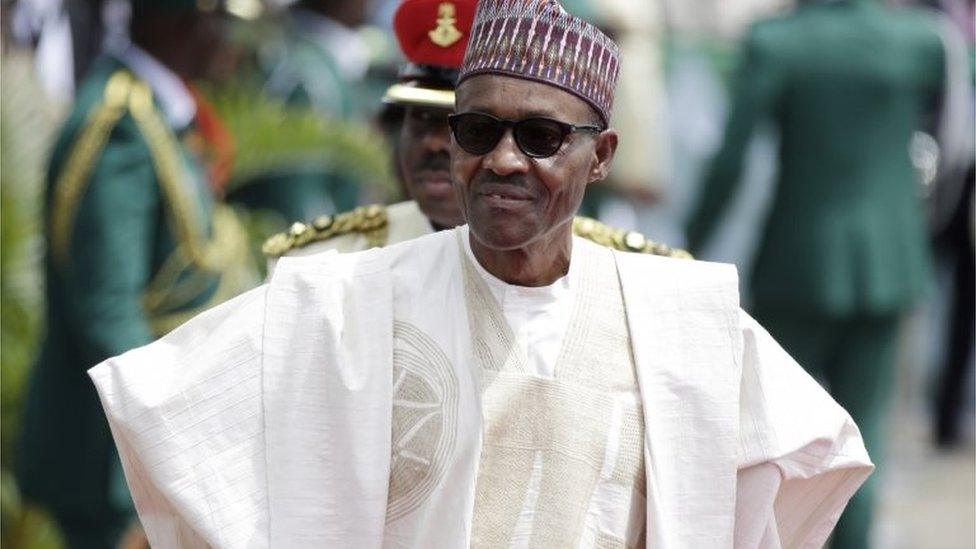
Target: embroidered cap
{"points": [[433, 35], [538, 40]]}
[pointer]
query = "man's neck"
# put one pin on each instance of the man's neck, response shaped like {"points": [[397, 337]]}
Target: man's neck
{"points": [[540, 263]]}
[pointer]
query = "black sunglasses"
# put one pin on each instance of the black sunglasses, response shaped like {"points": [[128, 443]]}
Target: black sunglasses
{"points": [[537, 137]]}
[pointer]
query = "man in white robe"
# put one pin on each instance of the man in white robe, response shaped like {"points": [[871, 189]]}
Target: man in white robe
{"points": [[502, 384]]}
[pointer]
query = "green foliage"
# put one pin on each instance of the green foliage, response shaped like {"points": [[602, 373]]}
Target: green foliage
{"points": [[258, 224], [26, 127], [270, 135]]}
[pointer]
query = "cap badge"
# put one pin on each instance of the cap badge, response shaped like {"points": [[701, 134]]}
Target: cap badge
{"points": [[446, 33]]}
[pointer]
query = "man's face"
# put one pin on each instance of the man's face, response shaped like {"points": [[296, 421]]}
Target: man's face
{"points": [[425, 162], [508, 198], [188, 41]]}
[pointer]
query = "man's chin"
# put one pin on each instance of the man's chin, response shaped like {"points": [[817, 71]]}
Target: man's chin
{"points": [[441, 210], [443, 220], [501, 237]]}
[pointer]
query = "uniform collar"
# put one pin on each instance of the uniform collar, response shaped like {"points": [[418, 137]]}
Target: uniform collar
{"points": [[169, 89]]}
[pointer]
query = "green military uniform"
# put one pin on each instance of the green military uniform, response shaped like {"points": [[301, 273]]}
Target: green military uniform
{"points": [[302, 72], [843, 252], [135, 246]]}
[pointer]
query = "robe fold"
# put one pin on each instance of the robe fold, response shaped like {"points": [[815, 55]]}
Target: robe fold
{"points": [[269, 420]]}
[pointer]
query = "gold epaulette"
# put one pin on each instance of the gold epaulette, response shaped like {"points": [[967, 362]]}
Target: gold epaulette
{"points": [[126, 94], [619, 239], [72, 180], [370, 221]]}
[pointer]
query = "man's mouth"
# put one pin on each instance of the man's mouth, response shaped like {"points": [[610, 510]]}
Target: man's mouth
{"points": [[505, 195], [435, 178]]}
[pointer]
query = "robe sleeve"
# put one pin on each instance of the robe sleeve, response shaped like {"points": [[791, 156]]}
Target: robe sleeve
{"points": [[801, 457], [186, 414]]}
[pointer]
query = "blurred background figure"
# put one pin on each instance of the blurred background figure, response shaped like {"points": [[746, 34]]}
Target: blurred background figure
{"points": [[313, 56], [950, 215], [135, 245], [842, 255], [432, 35], [955, 243], [320, 58], [68, 35], [641, 170]]}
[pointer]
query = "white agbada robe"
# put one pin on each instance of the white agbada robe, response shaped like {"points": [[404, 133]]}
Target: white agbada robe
{"points": [[278, 418]]}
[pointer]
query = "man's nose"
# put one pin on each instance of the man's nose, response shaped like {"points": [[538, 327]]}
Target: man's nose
{"points": [[437, 139], [506, 158]]}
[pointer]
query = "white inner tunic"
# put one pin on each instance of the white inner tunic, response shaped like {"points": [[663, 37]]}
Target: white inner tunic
{"points": [[538, 316], [561, 459], [516, 415]]}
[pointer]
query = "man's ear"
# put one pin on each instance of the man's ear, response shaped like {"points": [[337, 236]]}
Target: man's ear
{"points": [[606, 148]]}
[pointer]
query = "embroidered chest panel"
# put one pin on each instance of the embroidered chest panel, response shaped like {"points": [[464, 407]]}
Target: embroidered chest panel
{"points": [[562, 458]]}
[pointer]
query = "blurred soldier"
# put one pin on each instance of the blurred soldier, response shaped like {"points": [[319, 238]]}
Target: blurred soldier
{"points": [[951, 214], [135, 245], [843, 255], [956, 241], [317, 61], [641, 167], [433, 35], [321, 57]]}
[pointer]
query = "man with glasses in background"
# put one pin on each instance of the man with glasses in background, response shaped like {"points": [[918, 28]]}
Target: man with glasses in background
{"points": [[500, 383]]}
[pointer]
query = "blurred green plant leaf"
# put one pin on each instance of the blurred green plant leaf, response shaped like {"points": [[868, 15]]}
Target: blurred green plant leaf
{"points": [[270, 135], [27, 124]]}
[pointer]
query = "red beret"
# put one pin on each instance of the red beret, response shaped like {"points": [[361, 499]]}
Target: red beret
{"points": [[434, 32]]}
